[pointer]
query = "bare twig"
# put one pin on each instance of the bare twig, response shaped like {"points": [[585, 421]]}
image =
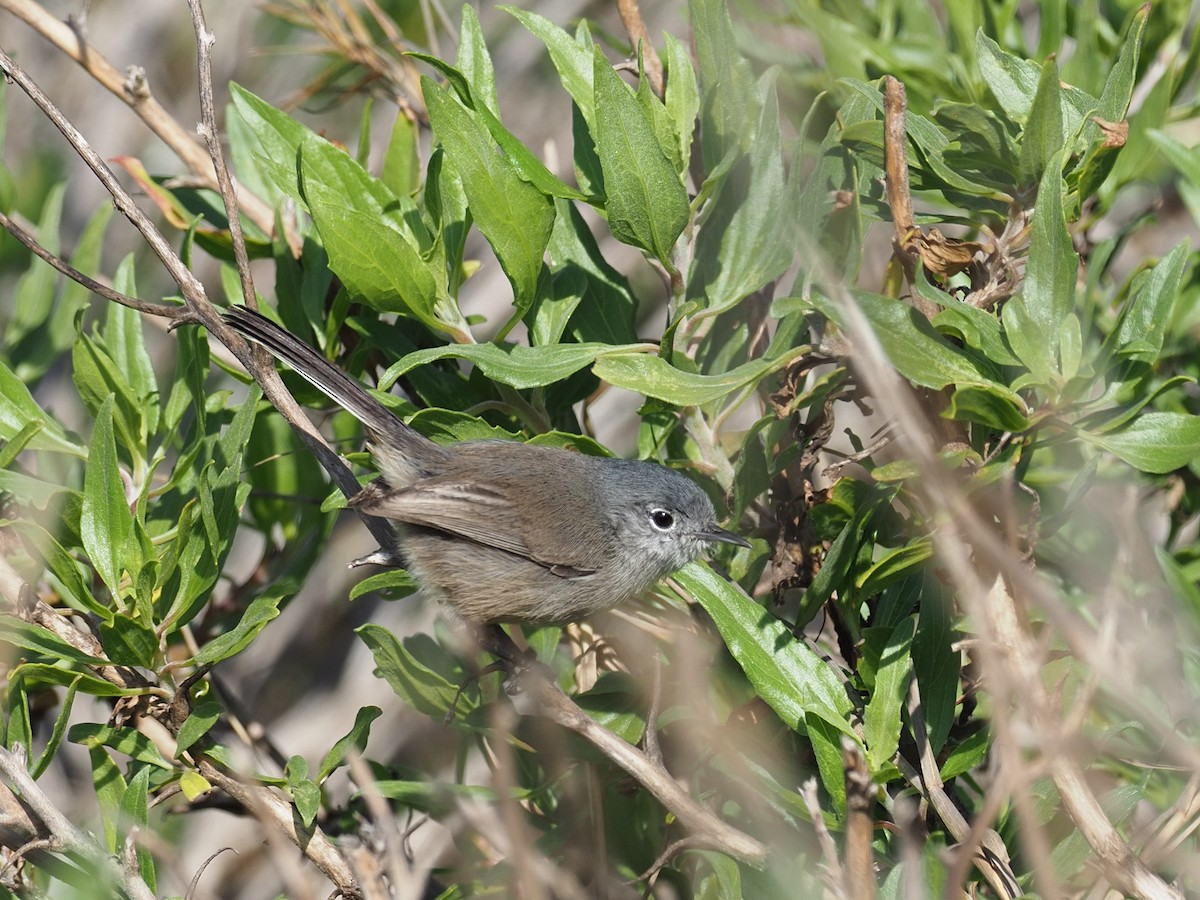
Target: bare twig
{"points": [[635, 27], [102, 290], [860, 824], [992, 856], [208, 130], [406, 880], [831, 869], [136, 94]]}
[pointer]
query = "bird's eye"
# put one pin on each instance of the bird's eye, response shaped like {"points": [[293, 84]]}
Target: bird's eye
{"points": [[662, 519]]}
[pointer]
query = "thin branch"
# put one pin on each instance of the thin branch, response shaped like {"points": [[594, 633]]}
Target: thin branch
{"points": [[208, 130], [280, 815], [538, 696], [12, 767], [101, 290], [831, 869], [860, 824], [131, 88], [635, 26], [991, 856]]}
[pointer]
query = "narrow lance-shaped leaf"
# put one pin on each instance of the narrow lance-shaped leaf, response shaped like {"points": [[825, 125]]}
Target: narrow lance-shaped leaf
{"points": [[105, 523], [572, 60], [512, 214], [785, 671], [653, 376], [1034, 319], [682, 96], [882, 718], [747, 237], [1154, 442], [474, 61], [1043, 137], [646, 203]]}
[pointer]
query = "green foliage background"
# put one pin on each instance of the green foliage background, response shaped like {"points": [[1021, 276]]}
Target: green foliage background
{"points": [[1064, 409]]}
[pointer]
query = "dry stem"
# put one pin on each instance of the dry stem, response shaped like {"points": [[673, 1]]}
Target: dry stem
{"points": [[136, 94]]}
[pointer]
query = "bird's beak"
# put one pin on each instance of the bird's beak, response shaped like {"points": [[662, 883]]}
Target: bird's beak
{"points": [[717, 534]]}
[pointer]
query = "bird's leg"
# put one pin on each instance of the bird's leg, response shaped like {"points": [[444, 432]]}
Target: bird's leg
{"points": [[510, 659]]}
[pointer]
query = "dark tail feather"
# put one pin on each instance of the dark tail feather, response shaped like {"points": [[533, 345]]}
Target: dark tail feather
{"points": [[388, 432]]}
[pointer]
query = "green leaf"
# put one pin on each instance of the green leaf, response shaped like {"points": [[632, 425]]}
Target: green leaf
{"points": [[369, 235], [194, 785], [729, 100], [511, 213], [97, 378], [105, 524], [1043, 137], [126, 345], [355, 739], [893, 565], [1048, 294], [912, 344], [882, 718], [401, 163], [129, 741], [826, 741], [786, 673], [515, 365], [747, 235], [427, 691], [1118, 87], [968, 754], [572, 60], [305, 792], [57, 733], [433, 797], [258, 614], [1154, 442], [18, 409], [43, 674], [396, 583], [1143, 323], [133, 804], [997, 408], [646, 202], [607, 310], [515, 154], [39, 641], [1014, 83], [613, 704], [198, 723], [682, 96], [474, 61], [935, 661], [129, 642], [109, 785], [653, 376], [1049, 289]]}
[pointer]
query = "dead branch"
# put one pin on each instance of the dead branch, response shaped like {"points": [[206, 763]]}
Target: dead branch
{"points": [[635, 27], [537, 696], [135, 93]]}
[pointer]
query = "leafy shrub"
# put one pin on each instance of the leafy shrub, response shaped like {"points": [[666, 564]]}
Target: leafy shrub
{"points": [[968, 462]]}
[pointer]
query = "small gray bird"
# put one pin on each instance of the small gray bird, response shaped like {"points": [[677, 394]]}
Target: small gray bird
{"points": [[508, 532]]}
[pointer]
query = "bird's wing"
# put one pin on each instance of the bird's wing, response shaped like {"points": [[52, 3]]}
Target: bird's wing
{"points": [[483, 512]]}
